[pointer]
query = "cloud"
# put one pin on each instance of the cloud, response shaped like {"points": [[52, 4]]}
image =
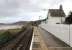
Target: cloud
{"points": [[31, 8], [8, 7], [67, 6], [54, 4]]}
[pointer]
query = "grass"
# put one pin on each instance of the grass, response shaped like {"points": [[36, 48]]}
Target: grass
{"points": [[7, 35], [14, 31]]}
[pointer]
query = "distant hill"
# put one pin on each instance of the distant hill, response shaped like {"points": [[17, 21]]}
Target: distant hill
{"points": [[2, 23], [16, 23], [20, 22]]}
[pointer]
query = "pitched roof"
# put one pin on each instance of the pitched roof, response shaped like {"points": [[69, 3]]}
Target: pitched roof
{"points": [[56, 13]]}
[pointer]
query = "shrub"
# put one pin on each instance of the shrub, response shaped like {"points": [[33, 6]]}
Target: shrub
{"points": [[5, 37], [68, 20]]}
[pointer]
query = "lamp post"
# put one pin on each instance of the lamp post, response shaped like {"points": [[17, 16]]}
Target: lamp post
{"points": [[61, 19], [69, 25], [46, 15], [69, 34], [39, 17]]}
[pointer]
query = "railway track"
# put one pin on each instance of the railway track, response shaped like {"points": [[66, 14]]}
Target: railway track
{"points": [[21, 42]]}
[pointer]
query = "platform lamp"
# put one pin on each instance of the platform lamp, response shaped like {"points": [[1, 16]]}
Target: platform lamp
{"points": [[69, 34], [69, 25], [46, 15]]}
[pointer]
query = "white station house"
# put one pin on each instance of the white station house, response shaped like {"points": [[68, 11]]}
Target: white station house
{"points": [[56, 15]]}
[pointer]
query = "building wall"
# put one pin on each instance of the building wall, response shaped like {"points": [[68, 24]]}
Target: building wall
{"points": [[54, 20]]}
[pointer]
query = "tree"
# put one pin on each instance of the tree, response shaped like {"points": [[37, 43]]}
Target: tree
{"points": [[68, 20]]}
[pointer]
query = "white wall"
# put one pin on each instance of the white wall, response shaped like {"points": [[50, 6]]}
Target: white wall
{"points": [[61, 31], [55, 20]]}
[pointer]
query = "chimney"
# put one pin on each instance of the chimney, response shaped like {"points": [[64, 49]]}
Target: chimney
{"points": [[61, 8]]}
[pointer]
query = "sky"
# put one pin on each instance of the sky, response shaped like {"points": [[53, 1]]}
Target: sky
{"points": [[27, 10]]}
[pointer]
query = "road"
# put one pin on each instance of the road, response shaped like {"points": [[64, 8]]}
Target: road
{"points": [[52, 42], [21, 42]]}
